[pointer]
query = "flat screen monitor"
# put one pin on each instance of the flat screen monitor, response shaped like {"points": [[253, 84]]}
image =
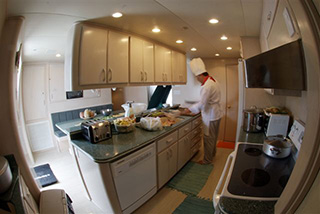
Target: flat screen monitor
{"points": [[279, 68]]}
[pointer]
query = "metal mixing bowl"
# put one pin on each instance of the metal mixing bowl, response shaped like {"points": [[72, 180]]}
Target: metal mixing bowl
{"points": [[106, 112]]}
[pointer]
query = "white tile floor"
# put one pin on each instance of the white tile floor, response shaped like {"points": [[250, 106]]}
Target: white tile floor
{"points": [[64, 167]]}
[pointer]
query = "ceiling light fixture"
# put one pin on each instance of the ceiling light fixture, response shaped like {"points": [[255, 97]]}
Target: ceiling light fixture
{"points": [[193, 49], [217, 54], [117, 15], [229, 48], [224, 37], [156, 30], [179, 41], [213, 21], [58, 55]]}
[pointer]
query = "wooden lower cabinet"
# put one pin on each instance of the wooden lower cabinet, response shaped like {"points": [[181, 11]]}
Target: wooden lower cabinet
{"points": [[184, 151], [167, 164]]}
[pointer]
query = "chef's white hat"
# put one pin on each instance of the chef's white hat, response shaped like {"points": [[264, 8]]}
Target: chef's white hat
{"points": [[197, 66]]}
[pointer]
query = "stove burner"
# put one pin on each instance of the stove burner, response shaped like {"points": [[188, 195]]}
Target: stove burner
{"points": [[283, 180], [255, 177], [253, 151]]}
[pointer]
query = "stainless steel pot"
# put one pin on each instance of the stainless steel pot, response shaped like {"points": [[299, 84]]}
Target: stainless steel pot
{"points": [[253, 120], [277, 147], [5, 175]]}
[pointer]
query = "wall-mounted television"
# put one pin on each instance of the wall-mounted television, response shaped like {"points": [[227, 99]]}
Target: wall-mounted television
{"points": [[279, 68]]}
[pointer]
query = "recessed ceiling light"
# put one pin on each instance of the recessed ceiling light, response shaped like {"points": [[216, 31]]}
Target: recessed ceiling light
{"points": [[179, 41], [217, 54], [193, 49], [229, 48], [224, 37], [117, 15], [213, 21], [156, 30], [58, 55]]}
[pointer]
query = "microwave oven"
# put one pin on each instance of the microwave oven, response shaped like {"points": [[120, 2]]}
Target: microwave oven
{"points": [[276, 124]]}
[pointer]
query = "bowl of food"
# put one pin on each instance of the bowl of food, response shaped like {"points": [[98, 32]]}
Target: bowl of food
{"points": [[87, 114], [124, 124], [106, 112]]}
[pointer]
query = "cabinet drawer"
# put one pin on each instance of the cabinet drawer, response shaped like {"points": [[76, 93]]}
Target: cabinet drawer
{"points": [[167, 141], [184, 130], [196, 122], [195, 139], [196, 131], [195, 148]]}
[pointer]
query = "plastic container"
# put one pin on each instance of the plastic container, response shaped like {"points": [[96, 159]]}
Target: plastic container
{"points": [[137, 108]]}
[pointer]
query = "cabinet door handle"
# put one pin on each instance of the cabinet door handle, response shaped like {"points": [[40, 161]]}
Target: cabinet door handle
{"points": [[146, 76], [162, 76], [110, 74], [104, 75], [169, 140], [141, 73]]}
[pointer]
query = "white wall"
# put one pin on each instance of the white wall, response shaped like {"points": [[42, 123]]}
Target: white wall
{"points": [[138, 94]]}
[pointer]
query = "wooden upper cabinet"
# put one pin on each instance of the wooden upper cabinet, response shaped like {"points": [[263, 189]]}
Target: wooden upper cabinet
{"points": [[118, 58], [92, 55], [179, 67], [162, 64], [141, 61]]}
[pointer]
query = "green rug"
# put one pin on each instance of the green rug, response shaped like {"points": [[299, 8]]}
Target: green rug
{"points": [[191, 178], [194, 205]]}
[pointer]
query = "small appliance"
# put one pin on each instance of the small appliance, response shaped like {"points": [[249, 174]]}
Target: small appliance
{"points": [[253, 120], [276, 124], [96, 130]]}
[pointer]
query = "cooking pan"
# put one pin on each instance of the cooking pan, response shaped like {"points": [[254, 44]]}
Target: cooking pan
{"points": [[277, 147]]}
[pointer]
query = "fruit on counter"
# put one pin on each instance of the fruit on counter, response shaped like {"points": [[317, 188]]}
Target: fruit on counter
{"points": [[87, 113], [277, 110], [124, 121]]}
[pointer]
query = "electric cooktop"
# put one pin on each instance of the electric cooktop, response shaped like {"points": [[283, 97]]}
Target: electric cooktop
{"points": [[258, 175]]}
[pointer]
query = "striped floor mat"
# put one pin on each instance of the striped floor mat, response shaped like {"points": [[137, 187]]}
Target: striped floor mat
{"points": [[194, 205]]}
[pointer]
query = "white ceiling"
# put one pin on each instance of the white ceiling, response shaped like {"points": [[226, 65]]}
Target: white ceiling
{"points": [[48, 21]]}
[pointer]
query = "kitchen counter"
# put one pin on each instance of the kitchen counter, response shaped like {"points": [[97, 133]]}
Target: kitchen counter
{"points": [[122, 144], [257, 137], [233, 205]]}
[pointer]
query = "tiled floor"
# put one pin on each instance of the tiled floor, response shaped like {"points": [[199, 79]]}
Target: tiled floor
{"points": [[165, 201]]}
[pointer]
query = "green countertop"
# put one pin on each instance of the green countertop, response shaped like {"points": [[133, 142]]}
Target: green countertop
{"points": [[257, 137], [125, 143], [240, 206]]}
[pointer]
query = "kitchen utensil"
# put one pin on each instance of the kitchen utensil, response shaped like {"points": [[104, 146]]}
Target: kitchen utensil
{"points": [[136, 107], [96, 130], [5, 175], [253, 119], [277, 147], [106, 112]]}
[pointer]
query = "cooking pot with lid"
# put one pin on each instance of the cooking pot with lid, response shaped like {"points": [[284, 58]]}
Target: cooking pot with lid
{"points": [[253, 119], [277, 146]]}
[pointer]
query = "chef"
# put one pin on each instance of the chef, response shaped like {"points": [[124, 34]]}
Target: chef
{"points": [[209, 106]]}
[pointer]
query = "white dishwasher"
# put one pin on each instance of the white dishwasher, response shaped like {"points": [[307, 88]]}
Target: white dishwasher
{"points": [[135, 178]]}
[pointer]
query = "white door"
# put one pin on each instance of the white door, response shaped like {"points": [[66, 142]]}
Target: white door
{"points": [[34, 92], [232, 103], [56, 82], [93, 56], [118, 58]]}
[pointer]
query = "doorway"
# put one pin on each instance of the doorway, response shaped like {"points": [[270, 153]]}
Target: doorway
{"points": [[231, 116]]}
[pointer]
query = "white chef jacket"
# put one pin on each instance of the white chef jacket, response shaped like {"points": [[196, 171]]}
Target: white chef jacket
{"points": [[209, 104]]}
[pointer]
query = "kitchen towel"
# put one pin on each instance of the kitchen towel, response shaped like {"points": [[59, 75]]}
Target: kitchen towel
{"points": [[45, 175], [191, 178], [194, 205]]}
